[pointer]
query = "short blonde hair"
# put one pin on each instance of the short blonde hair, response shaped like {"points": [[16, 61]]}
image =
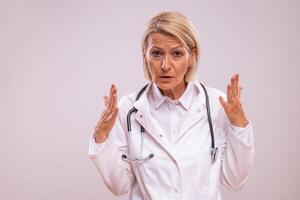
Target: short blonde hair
{"points": [[177, 25]]}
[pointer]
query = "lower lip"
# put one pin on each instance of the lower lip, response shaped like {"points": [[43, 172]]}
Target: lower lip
{"points": [[166, 78]]}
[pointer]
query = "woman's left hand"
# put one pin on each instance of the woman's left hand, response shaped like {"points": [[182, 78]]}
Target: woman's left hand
{"points": [[233, 107]]}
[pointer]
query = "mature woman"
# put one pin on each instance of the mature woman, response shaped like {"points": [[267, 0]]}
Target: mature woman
{"points": [[175, 138]]}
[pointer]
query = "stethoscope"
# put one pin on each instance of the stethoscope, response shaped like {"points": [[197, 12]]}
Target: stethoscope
{"points": [[140, 157]]}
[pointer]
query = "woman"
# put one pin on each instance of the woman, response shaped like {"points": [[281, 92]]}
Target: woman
{"points": [[171, 152]]}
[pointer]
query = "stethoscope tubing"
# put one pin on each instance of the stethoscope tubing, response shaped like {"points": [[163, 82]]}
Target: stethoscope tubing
{"points": [[213, 150]]}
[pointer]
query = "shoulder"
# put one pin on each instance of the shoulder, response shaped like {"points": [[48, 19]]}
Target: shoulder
{"points": [[213, 95], [125, 103], [212, 92]]}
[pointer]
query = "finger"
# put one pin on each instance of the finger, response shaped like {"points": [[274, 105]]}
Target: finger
{"points": [[117, 111], [107, 103], [110, 96], [113, 97], [112, 116], [115, 114], [111, 105], [105, 100], [223, 103], [237, 87], [229, 93], [234, 83], [103, 114], [237, 79], [239, 92]]}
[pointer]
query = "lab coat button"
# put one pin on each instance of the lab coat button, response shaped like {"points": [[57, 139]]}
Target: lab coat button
{"points": [[160, 135], [141, 116], [176, 190]]}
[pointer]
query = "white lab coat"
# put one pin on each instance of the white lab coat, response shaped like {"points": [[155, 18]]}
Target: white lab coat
{"points": [[180, 171]]}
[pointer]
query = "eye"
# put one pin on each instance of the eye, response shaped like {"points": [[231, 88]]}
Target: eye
{"points": [[177, 54], [156, 53]]}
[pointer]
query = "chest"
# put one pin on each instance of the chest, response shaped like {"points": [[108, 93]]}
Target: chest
{"points": [[184, 164]]}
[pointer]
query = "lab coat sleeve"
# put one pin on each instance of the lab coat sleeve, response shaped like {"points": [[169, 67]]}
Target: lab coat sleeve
{"points": [[95, 147], [116, 173], [237, 154]]}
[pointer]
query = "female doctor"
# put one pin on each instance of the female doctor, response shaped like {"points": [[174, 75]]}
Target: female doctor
{"points": [[176, 138]]}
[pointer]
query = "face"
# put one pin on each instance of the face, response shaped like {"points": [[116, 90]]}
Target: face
{"points": [[168, 61]]}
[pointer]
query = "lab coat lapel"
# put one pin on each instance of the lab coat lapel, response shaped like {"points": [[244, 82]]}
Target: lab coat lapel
{"points": [[195, 114], [144, 117]]}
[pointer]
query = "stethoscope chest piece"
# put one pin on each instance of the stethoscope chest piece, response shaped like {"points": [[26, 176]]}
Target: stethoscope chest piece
{"points": [[214, 155]]}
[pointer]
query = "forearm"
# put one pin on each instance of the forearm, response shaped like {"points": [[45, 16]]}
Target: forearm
{"points": [[115, 172], [238, 157]]}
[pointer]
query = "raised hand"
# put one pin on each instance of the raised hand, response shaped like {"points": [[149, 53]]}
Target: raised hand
{"points": [[108, 116], [233, 107]]}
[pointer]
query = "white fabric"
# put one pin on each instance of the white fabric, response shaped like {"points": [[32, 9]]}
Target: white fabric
{"points": [[170, 113], [181, 167]]}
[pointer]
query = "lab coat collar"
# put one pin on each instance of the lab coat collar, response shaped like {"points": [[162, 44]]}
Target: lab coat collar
{"points": [[144, 101], [185, 98], [144, 117]]}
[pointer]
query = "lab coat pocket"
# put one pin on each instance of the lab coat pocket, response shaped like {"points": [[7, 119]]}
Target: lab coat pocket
{"points": [[204, 171], [149, 172]]}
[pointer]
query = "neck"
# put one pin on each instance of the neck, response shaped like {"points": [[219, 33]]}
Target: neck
{"points": [[175, 93]]}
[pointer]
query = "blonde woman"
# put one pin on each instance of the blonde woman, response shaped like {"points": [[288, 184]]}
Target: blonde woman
{"points": [[175, 138]]}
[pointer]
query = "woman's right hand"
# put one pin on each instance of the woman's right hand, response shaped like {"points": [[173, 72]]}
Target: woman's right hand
{"points": [[108, 116]]}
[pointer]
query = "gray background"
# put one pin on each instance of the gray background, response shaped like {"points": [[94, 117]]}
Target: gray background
{"points": [[58, 59]]}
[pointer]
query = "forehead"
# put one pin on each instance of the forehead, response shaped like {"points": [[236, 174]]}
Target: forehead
{"points": [[163, 40]]}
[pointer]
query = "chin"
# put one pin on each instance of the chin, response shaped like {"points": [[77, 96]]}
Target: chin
{"points": [[165, 85]]}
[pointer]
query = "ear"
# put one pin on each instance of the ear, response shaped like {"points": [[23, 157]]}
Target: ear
{"points": [[145, 60], [192, 56]]}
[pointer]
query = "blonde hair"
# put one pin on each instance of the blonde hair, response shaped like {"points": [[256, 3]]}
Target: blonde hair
{"points": [[177, 25]]}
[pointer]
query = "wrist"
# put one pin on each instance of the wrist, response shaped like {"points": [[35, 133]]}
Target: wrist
{"points": [[100, 138], [241, 124]]}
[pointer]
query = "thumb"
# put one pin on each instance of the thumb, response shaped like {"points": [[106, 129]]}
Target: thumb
{"points": [[223, 102]]}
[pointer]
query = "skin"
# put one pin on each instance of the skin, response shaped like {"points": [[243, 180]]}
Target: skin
{"points": [[168, 61], [108, 116]]}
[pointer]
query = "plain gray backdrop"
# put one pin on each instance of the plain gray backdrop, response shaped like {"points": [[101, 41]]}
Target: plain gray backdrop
{"points": [[59, 57]]}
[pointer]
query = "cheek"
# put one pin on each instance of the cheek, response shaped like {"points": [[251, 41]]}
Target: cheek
{"points": [[153, 66], [182, 66]]}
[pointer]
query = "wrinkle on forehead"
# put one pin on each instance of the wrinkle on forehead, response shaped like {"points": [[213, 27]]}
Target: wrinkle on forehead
{"points": [[161, 40]]}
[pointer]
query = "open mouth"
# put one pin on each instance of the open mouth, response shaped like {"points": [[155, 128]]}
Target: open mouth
{"points": [[166, 76]]}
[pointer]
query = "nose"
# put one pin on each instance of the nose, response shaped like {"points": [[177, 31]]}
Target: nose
{"points": [[165, 65]]}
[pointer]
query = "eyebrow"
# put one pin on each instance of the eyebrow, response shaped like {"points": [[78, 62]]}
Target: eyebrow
{"points": [[171, 47]]}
